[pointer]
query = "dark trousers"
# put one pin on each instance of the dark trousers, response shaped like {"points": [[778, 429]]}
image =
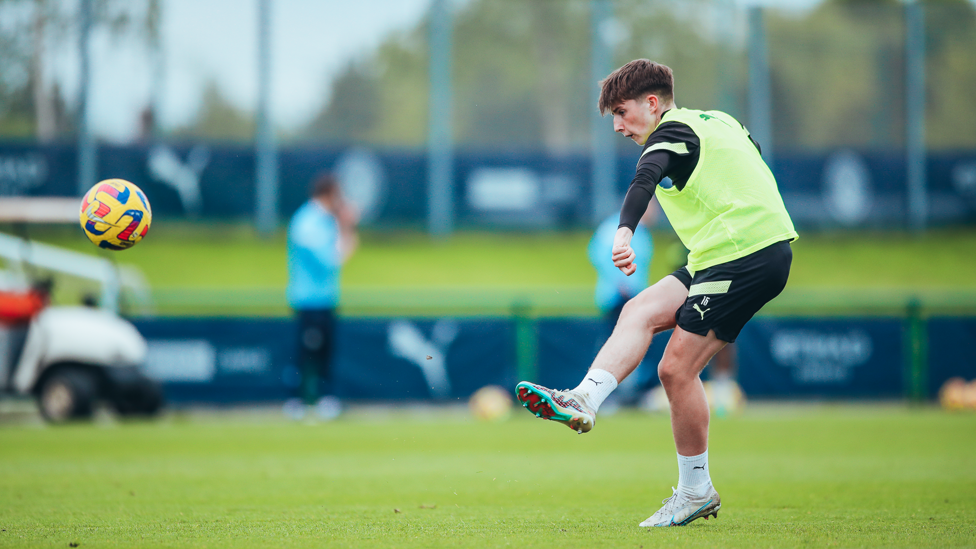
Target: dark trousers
{"points": [[316, 337], [611, 317]]}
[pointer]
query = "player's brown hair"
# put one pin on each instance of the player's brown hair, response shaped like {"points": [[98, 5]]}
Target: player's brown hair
{"points": [[637, 78], [323, 184]]}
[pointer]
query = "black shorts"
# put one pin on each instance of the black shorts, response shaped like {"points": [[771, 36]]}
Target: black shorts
{"points": [[724, 297]]}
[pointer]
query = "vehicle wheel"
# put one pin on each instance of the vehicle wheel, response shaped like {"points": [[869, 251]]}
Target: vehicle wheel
{"points": [[66, 395], [143, 399]]}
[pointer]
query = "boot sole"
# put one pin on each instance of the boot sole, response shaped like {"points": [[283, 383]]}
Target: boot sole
{"points": [[540, 404], [709, 510]]}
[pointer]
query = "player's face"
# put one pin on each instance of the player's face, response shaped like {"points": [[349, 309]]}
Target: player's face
{"points": [[635, 119]]}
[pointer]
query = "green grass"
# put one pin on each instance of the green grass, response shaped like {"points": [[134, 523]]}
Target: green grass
{"points": [[789, 476], [228, 268], [232, 255]]}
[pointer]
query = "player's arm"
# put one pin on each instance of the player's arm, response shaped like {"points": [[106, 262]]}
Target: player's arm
{"points": [[650, 171], [347, 217], [671, 151]]}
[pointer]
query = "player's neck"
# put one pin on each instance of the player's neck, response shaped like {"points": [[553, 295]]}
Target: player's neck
{"points": [[659, 115], [664, 108]]}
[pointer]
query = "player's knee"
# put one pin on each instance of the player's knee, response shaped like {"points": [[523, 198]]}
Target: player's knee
{"points": [[670, 371], [630, 312], [666, 372]]}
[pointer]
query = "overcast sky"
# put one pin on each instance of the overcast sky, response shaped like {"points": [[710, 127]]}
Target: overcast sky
{"points": [[217, 40]]}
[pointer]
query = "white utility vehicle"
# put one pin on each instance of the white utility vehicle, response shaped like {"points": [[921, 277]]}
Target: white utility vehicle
{"points": [[71, 358]]}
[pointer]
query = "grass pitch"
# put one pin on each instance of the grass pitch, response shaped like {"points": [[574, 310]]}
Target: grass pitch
{"points": [[228, 269], [789, 476], [183, 254]]}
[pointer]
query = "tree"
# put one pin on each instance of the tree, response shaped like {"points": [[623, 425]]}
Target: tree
{"points": [[16, 77], [950, 74], [839, 75], [30, 30], [218, 119], [828, 69], [521, 75], [694, 40], [352, 113], [517, 81], [522, 72]]}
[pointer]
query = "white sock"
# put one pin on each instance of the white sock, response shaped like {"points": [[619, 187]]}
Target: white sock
{"points": [[693, 477], [596, 387]]}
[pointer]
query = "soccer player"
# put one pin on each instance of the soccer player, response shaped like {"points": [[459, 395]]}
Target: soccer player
{"points": [[725, 207], [321, 237], [614, 288]]}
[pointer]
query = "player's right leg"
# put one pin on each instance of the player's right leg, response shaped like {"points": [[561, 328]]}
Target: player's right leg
{"points": [[650, 312], [566, 407]]}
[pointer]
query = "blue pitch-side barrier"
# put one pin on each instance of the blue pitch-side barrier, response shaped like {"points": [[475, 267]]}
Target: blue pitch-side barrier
{"points": [[949, 350], [397, 359], [527, 189]]}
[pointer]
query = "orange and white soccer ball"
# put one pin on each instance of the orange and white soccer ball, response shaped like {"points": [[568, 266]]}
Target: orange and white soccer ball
{"points": [[115, 214]]}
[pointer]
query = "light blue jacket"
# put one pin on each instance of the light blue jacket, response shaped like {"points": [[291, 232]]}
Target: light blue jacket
{"points": [[613, 286], [313, 258]]}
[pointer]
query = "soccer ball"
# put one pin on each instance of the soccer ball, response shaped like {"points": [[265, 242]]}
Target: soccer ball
{"points": [[952, 395], [491, 403], [115, 214]]}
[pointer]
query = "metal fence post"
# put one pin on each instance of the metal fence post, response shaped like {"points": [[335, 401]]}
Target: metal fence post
{"points": [[602, 150], [915, 115], [916, 353], [526, 342], [440, 149], [760, 94], [724, 13], [87, 154], [266, 153]]}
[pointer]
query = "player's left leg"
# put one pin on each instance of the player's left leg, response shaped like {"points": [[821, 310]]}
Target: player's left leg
{"points": [[721, 299], [684, 358], [679, 371]]}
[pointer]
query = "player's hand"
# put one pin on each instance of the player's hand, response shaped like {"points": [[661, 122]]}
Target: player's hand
{"points": [[623, 254], [347, 215]]}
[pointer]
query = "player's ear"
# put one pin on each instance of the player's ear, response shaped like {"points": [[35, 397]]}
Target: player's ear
{"points": [[652, 101]]}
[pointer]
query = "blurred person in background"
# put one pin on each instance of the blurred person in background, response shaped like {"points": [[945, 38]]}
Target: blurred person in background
{"points": [[726, 396], [613, 288], [321, 237], [724, 204]]}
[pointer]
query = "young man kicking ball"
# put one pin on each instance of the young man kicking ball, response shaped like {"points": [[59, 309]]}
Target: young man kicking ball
{"points": [[723, 203]]}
